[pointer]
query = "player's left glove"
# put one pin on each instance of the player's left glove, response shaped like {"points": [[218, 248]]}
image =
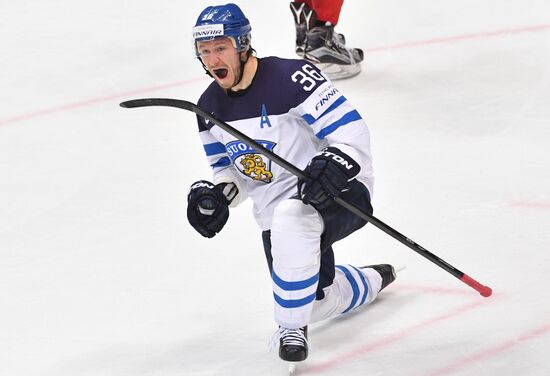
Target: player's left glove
{"points": [[207, 208], [327, 174]]}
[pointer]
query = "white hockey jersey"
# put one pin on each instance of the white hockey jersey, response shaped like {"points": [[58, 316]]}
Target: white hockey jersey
{"points": [[290, 108]]}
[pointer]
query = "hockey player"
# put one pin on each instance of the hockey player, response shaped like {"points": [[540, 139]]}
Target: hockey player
{"points": [[291, 108], [317, 41]]}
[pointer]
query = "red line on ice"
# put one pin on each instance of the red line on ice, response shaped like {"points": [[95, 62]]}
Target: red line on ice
{"points": [[88, 102], [531, 204], [388, 340], [471, 359], [462, 37], [436, 290]]}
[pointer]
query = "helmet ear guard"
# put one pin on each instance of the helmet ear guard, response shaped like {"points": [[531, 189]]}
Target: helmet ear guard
{"points": [[243, 42]]}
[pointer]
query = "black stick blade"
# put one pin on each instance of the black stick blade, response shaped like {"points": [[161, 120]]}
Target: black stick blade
{"points": [[168, 102]]}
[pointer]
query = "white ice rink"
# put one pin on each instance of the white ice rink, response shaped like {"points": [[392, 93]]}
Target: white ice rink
{"points": [[100, 273]]}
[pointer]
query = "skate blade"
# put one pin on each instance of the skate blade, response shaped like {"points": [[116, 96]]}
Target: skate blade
{"points": [[292, 368], [399, 269], [339, 72]]}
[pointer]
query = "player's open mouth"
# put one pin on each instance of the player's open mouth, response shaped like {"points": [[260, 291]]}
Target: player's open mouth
{"points": [[220, 73]]}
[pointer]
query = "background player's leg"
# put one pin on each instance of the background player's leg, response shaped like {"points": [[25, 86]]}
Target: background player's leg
{"points": [[304, 19], [327, 48], [327, 10]]}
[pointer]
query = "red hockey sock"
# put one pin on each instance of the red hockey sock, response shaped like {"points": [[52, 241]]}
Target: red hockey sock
{"points": [[327, 10]]}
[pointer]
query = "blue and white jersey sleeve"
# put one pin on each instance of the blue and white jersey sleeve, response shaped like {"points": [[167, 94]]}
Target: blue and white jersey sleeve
{"points": [[217, 158], [336, 122]]}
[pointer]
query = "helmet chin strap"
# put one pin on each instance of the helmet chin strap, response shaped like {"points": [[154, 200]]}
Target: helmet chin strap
{"points": [[204, 67], [243, 63]]}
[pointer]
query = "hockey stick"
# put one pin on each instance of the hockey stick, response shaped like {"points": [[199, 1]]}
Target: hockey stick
{"points": [[485, 291]]}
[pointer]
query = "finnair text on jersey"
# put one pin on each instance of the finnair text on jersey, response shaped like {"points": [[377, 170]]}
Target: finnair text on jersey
{"points": [[326, 98]]}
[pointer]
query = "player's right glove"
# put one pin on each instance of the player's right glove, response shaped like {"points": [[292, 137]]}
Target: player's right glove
{"points": [[207, 208], [327, 174]]}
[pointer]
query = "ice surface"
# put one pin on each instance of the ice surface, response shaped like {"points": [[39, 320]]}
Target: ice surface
{"points": [[100, 274]]}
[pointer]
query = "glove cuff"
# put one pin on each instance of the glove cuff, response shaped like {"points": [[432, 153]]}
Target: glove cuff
{"points": [[336, 156], [229, 191]]}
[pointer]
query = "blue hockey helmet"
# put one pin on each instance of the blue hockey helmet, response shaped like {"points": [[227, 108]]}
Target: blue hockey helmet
{"points": [[222, 21]]}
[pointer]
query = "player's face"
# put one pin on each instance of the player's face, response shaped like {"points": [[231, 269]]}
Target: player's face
{"points": [[222, 60]]}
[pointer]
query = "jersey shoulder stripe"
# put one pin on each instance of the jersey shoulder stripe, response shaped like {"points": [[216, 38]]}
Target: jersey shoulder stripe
{"points": [[346, 119], [311, 119]]}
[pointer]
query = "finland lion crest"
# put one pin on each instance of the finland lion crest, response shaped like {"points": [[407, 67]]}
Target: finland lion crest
{"points": [[253, 165]]}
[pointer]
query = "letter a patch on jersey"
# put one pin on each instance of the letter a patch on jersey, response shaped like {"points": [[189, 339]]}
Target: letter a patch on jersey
{"points": [[265, 118], [253, 165]]}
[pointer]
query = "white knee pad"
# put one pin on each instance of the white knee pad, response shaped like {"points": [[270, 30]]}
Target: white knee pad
{"points": [[296, 234], [294, 216]]}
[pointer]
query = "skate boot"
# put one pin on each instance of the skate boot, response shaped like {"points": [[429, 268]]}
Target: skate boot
{"points": [[293, 344], [304, 19], [327, 49], [386, 271]]}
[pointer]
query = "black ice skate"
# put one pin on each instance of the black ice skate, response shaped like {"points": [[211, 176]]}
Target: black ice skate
{"points": [[304, 19], [386, 271], [327, 49], [293, 344]]}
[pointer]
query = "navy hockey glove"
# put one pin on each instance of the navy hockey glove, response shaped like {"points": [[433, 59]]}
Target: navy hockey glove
{"points": [[207, 208], [327, 174]]}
